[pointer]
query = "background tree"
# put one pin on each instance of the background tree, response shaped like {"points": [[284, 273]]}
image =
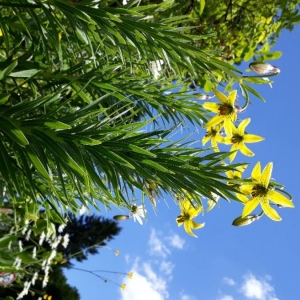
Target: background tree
{"points": [[87, 234], [237, 29]]}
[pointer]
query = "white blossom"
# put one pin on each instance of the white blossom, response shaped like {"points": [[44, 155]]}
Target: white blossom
{"points": [[34, 278], [45, 281], [34, 252], [65, 240], [52, 255], [21, 246], [42, 238], [28, 235], [61, 228], [138, 213]]}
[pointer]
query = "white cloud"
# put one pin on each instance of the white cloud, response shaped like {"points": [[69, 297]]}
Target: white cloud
{"points": [[228, 281], [156, 246], [226, 297], [253, 288], [166, 267], [185, 297], [176, 241], [145, 284]]}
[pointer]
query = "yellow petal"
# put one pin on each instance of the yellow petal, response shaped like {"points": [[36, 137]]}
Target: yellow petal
{"points": [[186, 205], [219, 138], [195, 225], [227, 140], [245, 150], [256, 173], [193, 212], [214, 107], [242, 126], [227, 126], [214, 144], [266, 175], [242, 197], [221, 96], [280, 199], [229, 174], [187, 228], [246, 189], [205, 139], [252, 138], [231, 97], [214, 121], [233, 116], [234, 147], [269, 211], [250, 206], [241, 169]]}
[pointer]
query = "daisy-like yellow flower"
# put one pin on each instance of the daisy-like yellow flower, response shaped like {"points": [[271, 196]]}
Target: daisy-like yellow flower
{"points": [[226, 111], [236, 175], [239, 138], [187, 213], [123, 286], [214, 135], [261, 193]]}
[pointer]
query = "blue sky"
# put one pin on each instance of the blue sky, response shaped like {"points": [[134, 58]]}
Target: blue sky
{"points": [[259, 262]]}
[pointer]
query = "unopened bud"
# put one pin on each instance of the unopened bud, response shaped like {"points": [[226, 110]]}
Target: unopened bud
{"points": [[240, 221], [263, 68], [121, 217]]}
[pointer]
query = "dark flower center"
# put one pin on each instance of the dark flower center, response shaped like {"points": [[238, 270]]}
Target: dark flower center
{"points": [[236, 138], [258, 191], [225, 110]]}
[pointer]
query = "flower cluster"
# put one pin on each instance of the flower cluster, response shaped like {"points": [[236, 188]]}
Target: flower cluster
{"points": [[225, 118], [258, 190]]}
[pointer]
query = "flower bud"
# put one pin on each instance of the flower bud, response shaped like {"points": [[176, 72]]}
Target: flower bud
{"points": [[263, 68], [121, 217], [245, 221]]}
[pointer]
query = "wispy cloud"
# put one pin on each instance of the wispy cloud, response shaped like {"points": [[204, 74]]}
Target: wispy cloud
{"points": [[175, 241], [258, 289], [167, 267], [226, 297], [156, 246], [229, 281], [145, 284], [184, 296]]}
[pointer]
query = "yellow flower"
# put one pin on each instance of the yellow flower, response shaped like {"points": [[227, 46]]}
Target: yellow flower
{"points": [[239, 138], [130, 275], [187, 213], [236, 175], [262, 192], [213, 134], [117, 252], [226, 111], [123, 286]]}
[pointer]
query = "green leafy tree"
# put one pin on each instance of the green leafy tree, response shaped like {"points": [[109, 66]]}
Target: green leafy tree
{"points": [[237, 29]]}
